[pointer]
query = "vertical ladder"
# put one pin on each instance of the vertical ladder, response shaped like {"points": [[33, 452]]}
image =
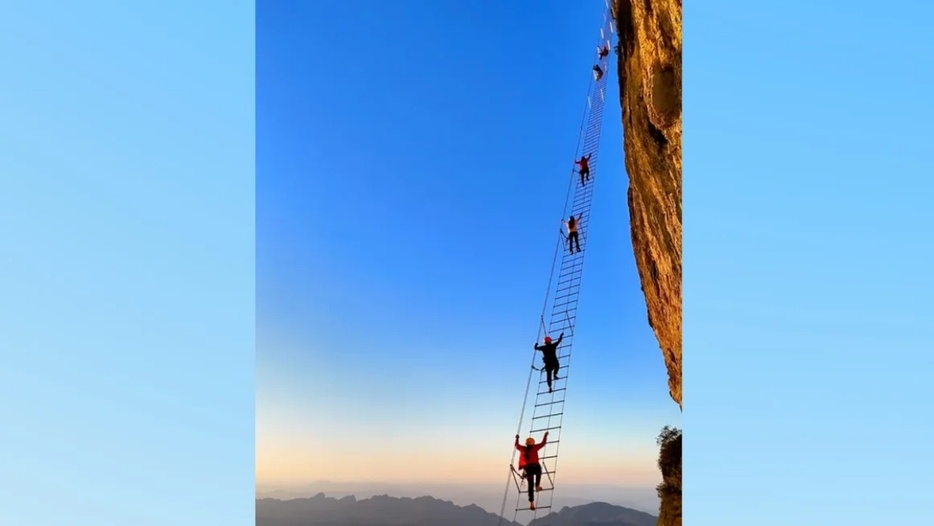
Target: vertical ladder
{"points": [[548, 407]]}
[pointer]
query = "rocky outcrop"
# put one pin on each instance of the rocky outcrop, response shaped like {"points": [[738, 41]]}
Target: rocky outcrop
{"points": [[649, 55], [669, 491]]}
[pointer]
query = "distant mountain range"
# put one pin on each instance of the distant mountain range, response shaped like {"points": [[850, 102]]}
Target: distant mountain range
{"points": [[487, 496], [596, 514], [383, 510]]}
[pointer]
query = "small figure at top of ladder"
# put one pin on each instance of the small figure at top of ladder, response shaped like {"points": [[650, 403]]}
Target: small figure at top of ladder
{"points": [[597, 73]]}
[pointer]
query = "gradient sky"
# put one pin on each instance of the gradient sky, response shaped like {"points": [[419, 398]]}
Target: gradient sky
{"points": [[412, 164]]}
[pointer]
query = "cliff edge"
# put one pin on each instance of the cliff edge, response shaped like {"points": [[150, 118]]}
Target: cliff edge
{"points": [[649, 56]]}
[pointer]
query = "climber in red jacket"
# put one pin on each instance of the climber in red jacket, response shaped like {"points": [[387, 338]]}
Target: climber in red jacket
{"points": [[584, 164], [604, 51], [528, 462]]}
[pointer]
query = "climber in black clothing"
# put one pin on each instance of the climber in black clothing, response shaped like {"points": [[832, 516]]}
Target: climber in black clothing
{"points": [[604, 51], [550, 357], [597, 73]]}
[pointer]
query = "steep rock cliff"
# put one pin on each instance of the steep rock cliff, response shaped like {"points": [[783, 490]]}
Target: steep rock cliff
{"points": [[649, 55]]}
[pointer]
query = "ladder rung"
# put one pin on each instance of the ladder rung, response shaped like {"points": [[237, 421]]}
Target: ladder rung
{"points": [[568, 291], [561, 326], [552, 392], [548, 416], [565, 377], [544, 429], [566, 294], [524, 492], [537, 508], [550, 403], [567, 300]]}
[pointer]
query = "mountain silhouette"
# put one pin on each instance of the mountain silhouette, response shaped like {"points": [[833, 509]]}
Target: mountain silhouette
{"points": [[596, 514], [380, 510], [383, 510]]}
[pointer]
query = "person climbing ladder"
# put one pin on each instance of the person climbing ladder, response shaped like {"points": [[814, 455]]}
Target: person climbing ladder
{"points": [[573, 239], [528, 462], [604, 51], [584, 164], [550, 358], [597, 73]]}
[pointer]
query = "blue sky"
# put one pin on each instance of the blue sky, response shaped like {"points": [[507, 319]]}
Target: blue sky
{"points": [[126, 268], [412, 164], [807, 190]]}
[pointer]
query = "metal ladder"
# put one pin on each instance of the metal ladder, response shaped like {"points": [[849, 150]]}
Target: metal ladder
{"points": [[548, 407]]}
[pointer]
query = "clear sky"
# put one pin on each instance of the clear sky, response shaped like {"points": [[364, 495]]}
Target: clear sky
{"points": [[808, 260], [126, 268], [412, 164]]}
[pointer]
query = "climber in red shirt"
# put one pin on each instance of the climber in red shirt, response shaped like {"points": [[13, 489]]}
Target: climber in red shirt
{"points": [[604, 51], [528, 461], [584, 164]]}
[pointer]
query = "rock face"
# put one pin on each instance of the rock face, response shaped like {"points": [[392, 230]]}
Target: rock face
{"points": [[669, 491], [649, 54]]}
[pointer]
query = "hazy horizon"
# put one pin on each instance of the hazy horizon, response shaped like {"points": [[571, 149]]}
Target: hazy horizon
{"points": [[487, 496]]}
